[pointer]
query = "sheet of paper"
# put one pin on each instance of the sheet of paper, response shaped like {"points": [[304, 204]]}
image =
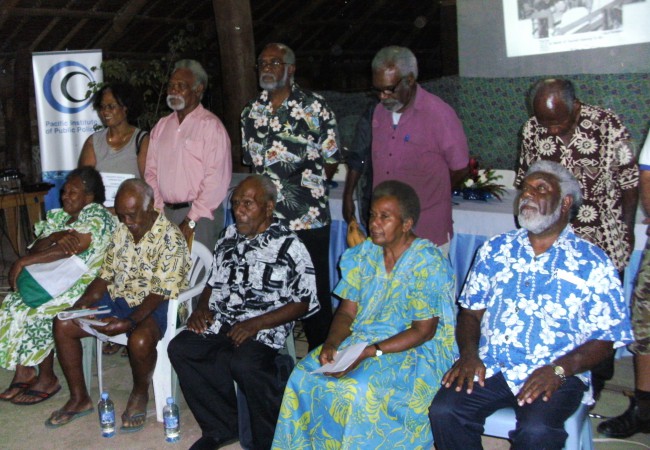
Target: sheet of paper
{"points": [[82, 312], [90, 330], [112, 181], [98, 323], [343, 359]]}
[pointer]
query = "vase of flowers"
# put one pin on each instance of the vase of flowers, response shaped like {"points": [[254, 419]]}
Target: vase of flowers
{"points": [[479, 184]]}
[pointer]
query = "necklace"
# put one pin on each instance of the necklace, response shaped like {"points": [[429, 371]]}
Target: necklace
{"points": [[116, 142]]}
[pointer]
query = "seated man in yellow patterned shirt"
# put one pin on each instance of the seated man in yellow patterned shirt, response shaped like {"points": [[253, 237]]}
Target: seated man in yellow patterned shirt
{"points": [[146, 263]]}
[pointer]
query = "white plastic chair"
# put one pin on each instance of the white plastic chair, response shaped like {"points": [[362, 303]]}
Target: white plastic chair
{"points": [[163, 376], [578, 427]]}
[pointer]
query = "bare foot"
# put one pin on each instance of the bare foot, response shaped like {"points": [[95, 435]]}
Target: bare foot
{"points": [[22, 380]]}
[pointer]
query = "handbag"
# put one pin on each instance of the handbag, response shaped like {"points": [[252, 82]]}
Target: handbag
{"points": [[40, 283]]}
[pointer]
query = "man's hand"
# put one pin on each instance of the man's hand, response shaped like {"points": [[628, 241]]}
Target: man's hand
{"points": [[543, 381], [200, 320], [186, 230], [465, 370], [114, 326], [242, 331], [348, 208]]}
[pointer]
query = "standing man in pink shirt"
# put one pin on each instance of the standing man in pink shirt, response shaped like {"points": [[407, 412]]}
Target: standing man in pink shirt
{"points": [[416, 138], [189, 165]]}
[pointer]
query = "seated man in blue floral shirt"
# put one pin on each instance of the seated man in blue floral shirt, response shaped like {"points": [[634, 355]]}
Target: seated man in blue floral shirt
{"points": [[540, 308], [262, 280]]}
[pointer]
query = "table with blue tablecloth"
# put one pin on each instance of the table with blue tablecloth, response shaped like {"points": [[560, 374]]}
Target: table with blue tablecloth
{"points": [[477, 221]]}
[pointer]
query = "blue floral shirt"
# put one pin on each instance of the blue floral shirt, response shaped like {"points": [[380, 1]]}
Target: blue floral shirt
{"points": [[291, 146], [540, 307]]}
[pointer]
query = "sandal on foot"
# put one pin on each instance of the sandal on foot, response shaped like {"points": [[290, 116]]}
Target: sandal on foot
{"points": [[110, 348], [60, 417], [21, 386], [40, 396], [131, 419]]}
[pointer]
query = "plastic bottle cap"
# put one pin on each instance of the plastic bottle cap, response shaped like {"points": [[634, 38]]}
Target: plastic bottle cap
{"points": [[170, 400], [104, 395]]}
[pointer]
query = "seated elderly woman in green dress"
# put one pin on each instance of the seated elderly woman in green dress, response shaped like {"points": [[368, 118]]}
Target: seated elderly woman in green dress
{"points": [[396, 297], [83, 227]]}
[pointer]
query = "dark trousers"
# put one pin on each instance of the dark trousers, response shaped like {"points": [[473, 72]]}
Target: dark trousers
{"points": [[457, 418], [207, 365], [317, 242]]}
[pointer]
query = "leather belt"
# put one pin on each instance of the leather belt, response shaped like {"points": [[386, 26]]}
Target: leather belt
{"points": [[175, 206]]}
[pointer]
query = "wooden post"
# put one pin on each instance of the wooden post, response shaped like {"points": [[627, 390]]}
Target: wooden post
{"points": [[237, 48]]}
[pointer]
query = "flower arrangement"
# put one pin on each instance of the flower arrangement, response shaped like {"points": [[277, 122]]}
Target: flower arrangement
{"points": [[479, 184]]}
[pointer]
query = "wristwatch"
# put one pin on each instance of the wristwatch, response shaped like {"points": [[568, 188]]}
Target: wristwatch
{"points": [[378, 351], [559, 371], [191, 223]]}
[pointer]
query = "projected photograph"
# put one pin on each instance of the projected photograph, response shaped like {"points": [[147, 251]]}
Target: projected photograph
{"points": [[536, 27]]}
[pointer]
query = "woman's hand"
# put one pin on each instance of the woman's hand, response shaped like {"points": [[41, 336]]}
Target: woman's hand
{"points": [[14, 271], [327, 353], [367, 352]]}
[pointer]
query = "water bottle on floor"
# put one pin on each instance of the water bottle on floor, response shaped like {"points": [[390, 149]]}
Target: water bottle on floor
{"points": [[106, 411], [171, 418]]}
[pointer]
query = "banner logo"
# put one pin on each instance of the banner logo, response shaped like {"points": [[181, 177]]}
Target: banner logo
{"points": [[62, 87]]}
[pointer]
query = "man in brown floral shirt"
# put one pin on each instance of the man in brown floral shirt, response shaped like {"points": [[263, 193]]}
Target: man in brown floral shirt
{"points": [[596, 147]]}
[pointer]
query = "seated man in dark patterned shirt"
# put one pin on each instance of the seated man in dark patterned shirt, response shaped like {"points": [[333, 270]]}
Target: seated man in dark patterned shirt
{"points": [[262, 280]]}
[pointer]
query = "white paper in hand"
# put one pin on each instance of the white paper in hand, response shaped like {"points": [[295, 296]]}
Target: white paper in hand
{"points": [[343, 359]]}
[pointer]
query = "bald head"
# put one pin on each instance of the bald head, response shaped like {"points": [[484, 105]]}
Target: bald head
{"points": [[555, 106], [134, 207]]}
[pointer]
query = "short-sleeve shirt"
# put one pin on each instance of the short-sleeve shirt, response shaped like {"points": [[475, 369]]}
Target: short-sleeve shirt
{"points": [[601, 158], [158, 264], [291, 146], [540, 307], [644, 156], [251, 277]]}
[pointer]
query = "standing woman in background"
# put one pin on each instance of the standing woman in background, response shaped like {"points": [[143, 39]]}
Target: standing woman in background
{"points": [[120, 147]]}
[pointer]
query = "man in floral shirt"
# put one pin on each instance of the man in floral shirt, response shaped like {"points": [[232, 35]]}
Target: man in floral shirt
{"points": [[595, 146], [540, 308], [290, 135]]}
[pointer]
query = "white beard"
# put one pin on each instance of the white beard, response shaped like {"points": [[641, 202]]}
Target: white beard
{"points": [[535, 222], [175, 102], [274, 83]]}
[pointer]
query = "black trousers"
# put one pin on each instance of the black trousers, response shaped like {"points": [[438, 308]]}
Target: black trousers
{"points": [[317, 242], [207, 365], [457, 418]]}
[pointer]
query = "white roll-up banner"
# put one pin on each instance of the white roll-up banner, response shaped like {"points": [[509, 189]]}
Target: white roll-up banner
{"points": [[64, 111]]}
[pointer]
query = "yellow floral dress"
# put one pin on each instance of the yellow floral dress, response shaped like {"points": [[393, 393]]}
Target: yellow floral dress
{"points": [[384, 402]]}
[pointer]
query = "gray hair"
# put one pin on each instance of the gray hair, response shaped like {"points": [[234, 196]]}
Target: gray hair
{"points": [[394, 56], [568, 183], [140, 187], [269, 188], [407, 198], [200, 75], [563, 88]]}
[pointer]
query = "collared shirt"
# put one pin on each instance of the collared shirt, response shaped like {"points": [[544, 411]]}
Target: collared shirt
{"points": [[421, 150], [540, 307], [190, 162], [158, 264], [251, 277], [292, 145], [601, 158]]}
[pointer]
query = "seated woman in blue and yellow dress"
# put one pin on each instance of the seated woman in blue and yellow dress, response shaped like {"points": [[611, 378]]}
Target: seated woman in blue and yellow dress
{"points": [[83, 227], [397, 296]]}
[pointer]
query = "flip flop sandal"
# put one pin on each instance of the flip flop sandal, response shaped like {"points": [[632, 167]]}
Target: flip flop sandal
{"points": [[40, 395], [69, 415], [21, 386], [133, 429], [110, 348]]}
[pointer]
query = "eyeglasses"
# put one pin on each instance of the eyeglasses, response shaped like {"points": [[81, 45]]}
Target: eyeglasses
{"points": [[112, 107], [273, 64], [390, 90]]}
